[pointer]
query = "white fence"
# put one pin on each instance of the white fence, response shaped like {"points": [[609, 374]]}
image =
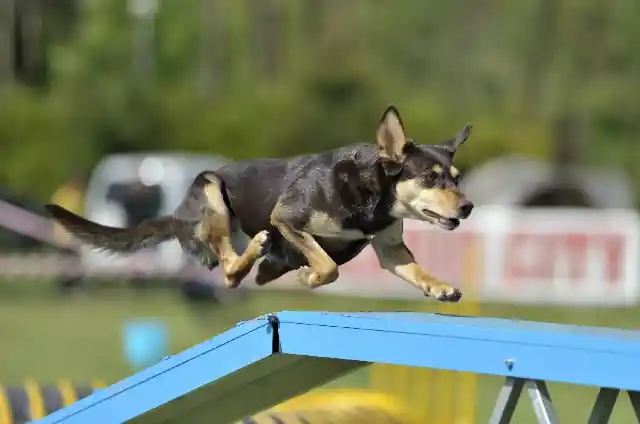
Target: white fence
{"points": [[543, 256]]}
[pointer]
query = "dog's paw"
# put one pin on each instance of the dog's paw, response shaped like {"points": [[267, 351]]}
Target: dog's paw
{"points": [[314, 279], [259, 243], [210, 261], [206, 257], [261, 237], [444, 293], [307, 277]]}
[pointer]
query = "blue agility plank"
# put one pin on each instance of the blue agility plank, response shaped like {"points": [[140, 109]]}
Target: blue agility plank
{"points": [[266, 360], [554, 352], [171, 378]]}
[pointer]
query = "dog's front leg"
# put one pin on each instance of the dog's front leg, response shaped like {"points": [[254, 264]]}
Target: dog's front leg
{"points": [[396, 257], [399, 260], [322, 269]]}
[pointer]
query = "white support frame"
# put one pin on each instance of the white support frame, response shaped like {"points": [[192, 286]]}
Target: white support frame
{"points": [[543, 405]]}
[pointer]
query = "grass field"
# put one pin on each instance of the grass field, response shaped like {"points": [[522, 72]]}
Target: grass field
{"points": [[46, 337]]}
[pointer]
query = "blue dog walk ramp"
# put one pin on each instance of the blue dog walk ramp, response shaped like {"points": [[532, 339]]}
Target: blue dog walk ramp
{"points": [[264, 361]]}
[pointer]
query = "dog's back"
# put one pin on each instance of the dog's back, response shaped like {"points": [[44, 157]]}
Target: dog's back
{"points": [[327, 180], [251, 188]]}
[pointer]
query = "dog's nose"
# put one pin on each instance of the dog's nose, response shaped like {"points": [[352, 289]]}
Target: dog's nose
{"points": [[465, 208]]}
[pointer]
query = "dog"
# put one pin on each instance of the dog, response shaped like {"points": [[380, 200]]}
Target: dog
{"points": [[309, 213]]}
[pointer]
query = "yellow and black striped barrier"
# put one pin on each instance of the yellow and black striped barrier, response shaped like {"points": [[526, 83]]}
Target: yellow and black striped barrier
{"points": [[32, 401], [340, 406]]}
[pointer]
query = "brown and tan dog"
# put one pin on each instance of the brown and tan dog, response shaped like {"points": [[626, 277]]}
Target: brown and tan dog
{"points": [[309, 213]]}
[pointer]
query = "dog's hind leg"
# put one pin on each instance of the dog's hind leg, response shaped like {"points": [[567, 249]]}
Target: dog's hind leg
{"points": [[215, 231], [322, 269]]}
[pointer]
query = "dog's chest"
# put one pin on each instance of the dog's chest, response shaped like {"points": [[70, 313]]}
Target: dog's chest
{"points": [[340, 251], [323, 225], [341, 244]]}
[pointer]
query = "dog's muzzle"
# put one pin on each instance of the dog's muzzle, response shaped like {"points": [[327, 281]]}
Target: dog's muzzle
{"points": [[464, 210], [441, 221]]}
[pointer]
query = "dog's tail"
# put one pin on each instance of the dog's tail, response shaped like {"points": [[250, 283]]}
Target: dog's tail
{"points": [[117, 240]]}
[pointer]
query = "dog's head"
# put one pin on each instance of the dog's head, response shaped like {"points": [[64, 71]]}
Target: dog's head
{"points": [[426, 185]]}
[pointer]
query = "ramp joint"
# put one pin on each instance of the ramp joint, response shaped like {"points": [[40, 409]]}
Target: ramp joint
{"points": [[274, 325]]}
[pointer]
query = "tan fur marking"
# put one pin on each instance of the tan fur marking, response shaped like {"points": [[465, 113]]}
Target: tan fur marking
{"points": [[454, 171], [396, 257], [322, 269], [437, 169], [215, 232], [215, 225], [322, 225]]}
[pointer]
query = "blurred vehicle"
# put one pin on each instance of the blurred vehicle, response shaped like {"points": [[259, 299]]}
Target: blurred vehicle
{"points": [[125, 189]]}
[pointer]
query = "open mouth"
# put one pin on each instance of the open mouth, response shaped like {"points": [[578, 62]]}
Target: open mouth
{"points": [[441, 221]]}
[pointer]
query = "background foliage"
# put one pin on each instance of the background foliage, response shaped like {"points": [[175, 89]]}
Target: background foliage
{"points": [[249, 78]]}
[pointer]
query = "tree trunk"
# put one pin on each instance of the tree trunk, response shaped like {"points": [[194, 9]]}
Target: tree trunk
{"points": [[7, 41], [540, 53], [266, 36], [30, 58]]}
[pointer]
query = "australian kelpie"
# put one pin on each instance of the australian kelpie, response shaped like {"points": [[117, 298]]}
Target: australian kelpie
{"points": [[309, 213]]}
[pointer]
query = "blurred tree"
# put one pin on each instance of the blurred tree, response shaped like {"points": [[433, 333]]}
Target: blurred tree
{"points": [[543, 38], [29, 54], [6, 41], [250, 78], [266, 22]]}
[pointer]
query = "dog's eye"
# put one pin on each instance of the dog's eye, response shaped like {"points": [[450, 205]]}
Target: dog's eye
{"points": [[429, 178]]}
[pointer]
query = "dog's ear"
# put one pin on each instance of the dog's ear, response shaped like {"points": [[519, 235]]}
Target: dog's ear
{"points": [[452, 145], [390, 137]]}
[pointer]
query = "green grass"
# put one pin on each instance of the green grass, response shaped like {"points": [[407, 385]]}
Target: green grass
{"points": [[46, 337]]}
